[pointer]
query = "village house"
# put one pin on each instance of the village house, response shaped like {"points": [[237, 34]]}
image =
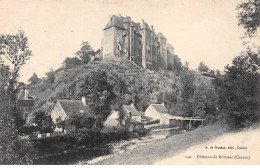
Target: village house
{"points": [[65, 108], [154, 111], [25, 104], [112, 120], [132, 120], [134, 126], [132, 113]]}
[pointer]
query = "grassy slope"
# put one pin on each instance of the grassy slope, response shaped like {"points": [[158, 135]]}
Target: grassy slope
{"points": [[165, 148]]}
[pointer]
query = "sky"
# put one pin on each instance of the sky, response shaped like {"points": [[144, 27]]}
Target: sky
{"points": [[201, 30]]}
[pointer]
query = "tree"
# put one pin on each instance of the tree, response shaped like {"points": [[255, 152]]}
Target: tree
{"points": [[177, 67], [43, 121], [33, 79], [85, 52], [238, 90], [187, 79], [15, 48], [50, 76], [248, 16], [204, 101], [80, 122], [13, 151], [60, 123], [98, 92], [203, 67], [72, 62]]}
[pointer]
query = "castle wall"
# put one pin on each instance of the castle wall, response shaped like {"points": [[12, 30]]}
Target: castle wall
{"points": [[123, 37], [156, 61], [146, 49], [120, 47], [138, 49], [108, 43], [169, 59], [163, 52]]}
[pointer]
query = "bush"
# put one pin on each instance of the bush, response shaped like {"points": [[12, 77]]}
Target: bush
{"points": [[61, 143]]}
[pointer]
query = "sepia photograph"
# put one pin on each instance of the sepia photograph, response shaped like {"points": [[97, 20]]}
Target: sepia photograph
{"points": [[140, 82]]}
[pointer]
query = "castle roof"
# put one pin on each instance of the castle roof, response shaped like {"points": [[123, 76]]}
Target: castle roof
{"points": [[126, 20], [146, 26], [169, 46], [160, 35], [115, 21], [136, 26]]}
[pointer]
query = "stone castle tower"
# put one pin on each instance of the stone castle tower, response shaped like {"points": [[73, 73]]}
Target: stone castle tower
{"points": [[123, 37]]}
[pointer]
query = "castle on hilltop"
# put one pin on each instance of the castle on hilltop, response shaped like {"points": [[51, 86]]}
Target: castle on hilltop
{"points": [[137, 42]]}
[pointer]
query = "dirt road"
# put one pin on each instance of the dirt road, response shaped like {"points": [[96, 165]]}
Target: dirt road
{"points": [[163, 148], [232, 148]]}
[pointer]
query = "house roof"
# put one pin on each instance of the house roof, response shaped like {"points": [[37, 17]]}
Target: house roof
{"points": [[133, 111], [173, 117], [21, 95], [159, 108], [22, 101], [27, 103], [73, 106]]}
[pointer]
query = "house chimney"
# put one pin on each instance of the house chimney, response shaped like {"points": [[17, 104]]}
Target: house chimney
{"points": [[26, 94], [83, 99], [163, 103], [119, 14], [132, 104]]}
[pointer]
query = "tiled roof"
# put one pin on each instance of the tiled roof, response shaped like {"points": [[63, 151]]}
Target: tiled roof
{"points": [[159, 107], [21, 95], [21, 101], [73, 106], [173, 117], [28, 103], [133, 111]]}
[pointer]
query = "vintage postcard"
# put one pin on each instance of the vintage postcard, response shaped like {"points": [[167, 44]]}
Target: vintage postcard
{"points": [[140, 82]]}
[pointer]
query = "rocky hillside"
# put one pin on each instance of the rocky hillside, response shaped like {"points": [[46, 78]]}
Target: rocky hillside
{"points": [[137, 84]]}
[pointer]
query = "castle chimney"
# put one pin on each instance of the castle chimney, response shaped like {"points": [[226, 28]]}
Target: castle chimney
{"points": [[26, 93], [83, 99], [110, 19]]}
